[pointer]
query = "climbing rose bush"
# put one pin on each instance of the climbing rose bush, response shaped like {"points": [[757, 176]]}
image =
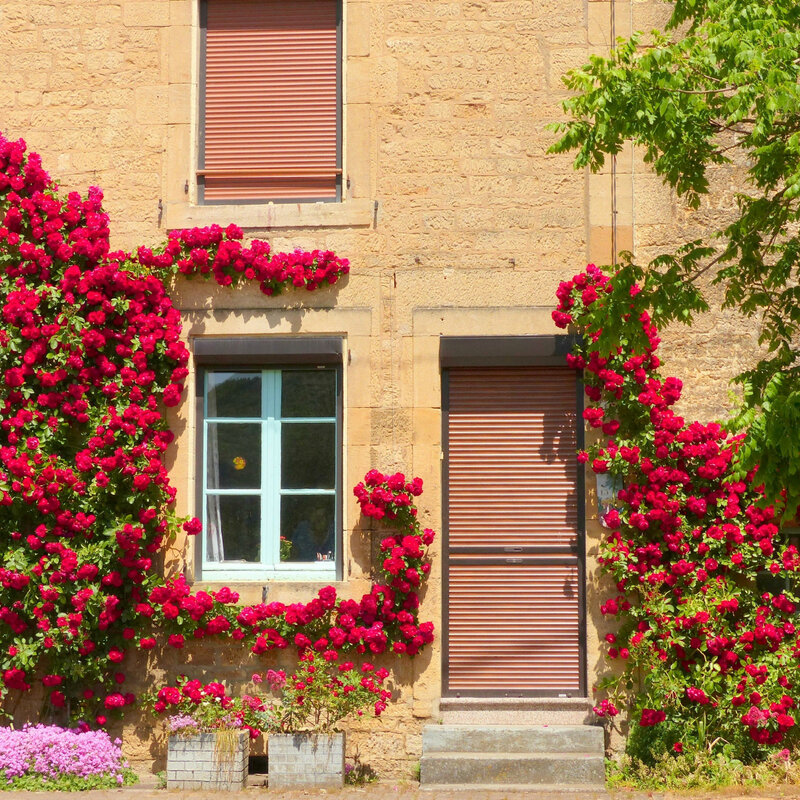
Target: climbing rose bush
{"points": [[90, 356], [385, 619], [706, 585], [406, 565]]}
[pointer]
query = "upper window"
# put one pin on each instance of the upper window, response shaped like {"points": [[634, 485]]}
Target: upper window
{"points": [[270, 473], [270, 127]]}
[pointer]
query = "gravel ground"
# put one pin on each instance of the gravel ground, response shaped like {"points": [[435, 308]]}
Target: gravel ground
{"points": [[148, 790]]}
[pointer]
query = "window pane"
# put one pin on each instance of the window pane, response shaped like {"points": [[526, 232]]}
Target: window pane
{"points": [[308, 455], [234, 455], [233, 528], [308, 393], [308, 528], [234, 394]]}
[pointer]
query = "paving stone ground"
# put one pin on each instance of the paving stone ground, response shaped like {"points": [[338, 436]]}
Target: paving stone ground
{"points": [[148, 790]]}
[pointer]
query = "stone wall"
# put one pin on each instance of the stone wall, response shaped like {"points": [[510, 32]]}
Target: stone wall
{"points": [[456, 221]]}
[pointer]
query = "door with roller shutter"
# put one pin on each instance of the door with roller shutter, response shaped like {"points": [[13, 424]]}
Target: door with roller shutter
{"points": [[514, 543]]}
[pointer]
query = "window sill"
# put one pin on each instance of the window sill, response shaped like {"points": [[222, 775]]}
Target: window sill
{"points": [[269, 590], [348, 214]]}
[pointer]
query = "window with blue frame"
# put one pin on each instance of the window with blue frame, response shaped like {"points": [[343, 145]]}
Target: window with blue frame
{"points": [[270, 477]]}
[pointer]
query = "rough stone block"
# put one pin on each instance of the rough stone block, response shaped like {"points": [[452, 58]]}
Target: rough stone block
{"points": [[150, 14]]}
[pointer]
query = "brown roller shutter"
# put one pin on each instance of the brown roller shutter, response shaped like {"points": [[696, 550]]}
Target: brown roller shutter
{"points": [[514, 576], [270, 100], [513, 627]]}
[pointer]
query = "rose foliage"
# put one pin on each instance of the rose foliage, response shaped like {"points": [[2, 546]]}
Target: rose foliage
{"points": [[706, 584], [718, 86], [90, 354]]}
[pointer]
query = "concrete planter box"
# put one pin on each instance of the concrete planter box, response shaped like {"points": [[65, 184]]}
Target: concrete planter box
{"points": [[305, 760], [207, 761]]}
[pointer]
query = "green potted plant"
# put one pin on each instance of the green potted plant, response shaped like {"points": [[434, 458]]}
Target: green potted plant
{"points": [[306, 745], [209, 741]]}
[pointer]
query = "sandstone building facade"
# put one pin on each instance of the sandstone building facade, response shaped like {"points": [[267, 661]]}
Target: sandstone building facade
{"points": [[425, 163]]}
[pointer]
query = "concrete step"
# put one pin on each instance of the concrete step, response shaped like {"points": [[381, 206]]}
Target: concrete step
{"points": [[582, 769], [513, 739], [516, 710]]}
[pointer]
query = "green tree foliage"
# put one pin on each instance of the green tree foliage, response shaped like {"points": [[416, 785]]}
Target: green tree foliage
{"points": [[720, 84]]}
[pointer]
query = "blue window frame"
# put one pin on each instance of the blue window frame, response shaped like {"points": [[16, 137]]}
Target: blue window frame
{"points": [[271, 452]]}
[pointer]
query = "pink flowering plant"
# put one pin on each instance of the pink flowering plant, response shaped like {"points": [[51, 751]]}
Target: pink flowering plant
{"points": [[47, 757], [322, 693], [194, 707], [705, 652], [316, 698], [91, 358]]}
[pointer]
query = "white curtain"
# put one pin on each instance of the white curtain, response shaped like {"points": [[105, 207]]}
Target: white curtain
{"points": [[215, 547]]}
